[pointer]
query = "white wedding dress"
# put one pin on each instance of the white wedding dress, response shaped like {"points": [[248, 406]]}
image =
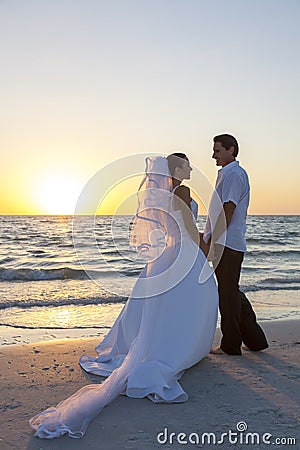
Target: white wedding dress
{"points": [[153, 341]]}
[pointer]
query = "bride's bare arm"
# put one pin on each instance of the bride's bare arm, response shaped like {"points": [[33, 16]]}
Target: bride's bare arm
{"points": [[183, 203]]}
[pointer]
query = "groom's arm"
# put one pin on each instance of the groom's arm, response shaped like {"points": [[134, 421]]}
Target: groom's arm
{"points": [[232, 190], [223, 221]]}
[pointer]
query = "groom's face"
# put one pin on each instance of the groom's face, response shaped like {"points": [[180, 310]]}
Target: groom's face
{"points": [[221, 155]]}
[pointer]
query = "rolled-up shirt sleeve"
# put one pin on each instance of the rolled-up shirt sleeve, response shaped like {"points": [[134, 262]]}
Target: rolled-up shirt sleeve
{"points": [[232, 188]]}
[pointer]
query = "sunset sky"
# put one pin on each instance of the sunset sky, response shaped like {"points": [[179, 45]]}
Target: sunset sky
{"points": [[86, 82]]}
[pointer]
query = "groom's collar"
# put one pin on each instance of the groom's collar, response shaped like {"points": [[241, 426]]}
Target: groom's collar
{"points": [[228, 167]]}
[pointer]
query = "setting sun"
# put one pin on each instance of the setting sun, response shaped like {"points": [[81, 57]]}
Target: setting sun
{"points": [[58, 193]]}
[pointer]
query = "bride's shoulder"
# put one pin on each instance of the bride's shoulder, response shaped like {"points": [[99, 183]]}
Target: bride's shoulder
{"points": [[183, 192]]}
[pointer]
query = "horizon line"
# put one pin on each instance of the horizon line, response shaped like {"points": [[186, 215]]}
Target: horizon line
{"points": [[105, 215]]}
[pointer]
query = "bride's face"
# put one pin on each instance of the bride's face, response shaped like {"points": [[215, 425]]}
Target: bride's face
{"points": [[184, 172]]}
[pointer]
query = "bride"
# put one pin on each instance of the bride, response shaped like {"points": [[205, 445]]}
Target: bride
{"points": [[168, 323]]}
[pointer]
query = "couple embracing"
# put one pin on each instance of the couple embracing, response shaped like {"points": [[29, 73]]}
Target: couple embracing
{"points": [[169, 321]]}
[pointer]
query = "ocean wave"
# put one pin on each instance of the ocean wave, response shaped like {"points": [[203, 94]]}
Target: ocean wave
{"points": [[41, 274], [256, 268], [281, 280], [65, 273], [264, 241], [6, 260], [257, 288], [100, 300], [134, 272], [273, 253]]}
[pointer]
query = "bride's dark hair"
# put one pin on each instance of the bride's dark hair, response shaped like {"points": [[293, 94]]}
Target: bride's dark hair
{"points": [[175, 160]]}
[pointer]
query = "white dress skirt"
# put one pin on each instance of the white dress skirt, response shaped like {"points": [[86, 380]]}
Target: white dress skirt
{"points": [[153, 341]]}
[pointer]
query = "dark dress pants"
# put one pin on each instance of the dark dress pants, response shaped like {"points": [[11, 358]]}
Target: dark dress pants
{"points": [[238, 320]]}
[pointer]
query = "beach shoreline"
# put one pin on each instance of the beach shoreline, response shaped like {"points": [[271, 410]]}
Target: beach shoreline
{"points": [[31, 325], [259, 389]]}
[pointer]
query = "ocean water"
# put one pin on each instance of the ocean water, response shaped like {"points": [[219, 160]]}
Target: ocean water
{"points": [[57, 275]]}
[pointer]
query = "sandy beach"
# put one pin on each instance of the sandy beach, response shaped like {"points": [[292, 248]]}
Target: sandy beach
{"points": [[259, 389]]}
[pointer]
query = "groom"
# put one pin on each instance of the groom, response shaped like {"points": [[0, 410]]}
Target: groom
{"points": [[238, 320]]}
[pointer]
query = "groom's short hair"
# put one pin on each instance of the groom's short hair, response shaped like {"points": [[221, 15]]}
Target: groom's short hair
{"points": [[227, 141]]}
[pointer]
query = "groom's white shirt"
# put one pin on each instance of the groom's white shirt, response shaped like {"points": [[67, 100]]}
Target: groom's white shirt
{"points": [[232, 185]]}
